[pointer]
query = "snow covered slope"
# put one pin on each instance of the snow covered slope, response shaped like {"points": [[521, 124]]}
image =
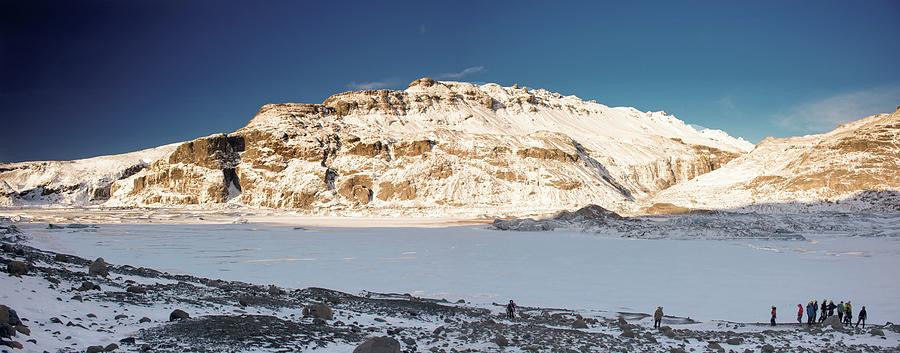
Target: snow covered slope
{"points": [[857, 165], [435, 147], [71, 182]]}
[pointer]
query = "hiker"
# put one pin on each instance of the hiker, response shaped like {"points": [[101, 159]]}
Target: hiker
{"points": [[657, 317], [773, 316], [848, 313], [511, 310], [815, 307], [831, 307], [799, 313], [809, 313], [824, 309], [840, 310], [862, 317]]}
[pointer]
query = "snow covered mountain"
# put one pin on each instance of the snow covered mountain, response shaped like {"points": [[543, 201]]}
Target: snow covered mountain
{"points": [[854, 167], [435, 147]]}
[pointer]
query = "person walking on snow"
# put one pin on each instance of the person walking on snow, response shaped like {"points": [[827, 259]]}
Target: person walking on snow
{"points": [[862, 317], [511, 310], [840, 310], [848, 313], [799, 313], [657, 317], [773, 316], [831, 307]]}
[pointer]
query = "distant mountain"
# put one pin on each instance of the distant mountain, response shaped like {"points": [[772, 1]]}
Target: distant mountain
{"points": [[856, 166], [435, 147]]}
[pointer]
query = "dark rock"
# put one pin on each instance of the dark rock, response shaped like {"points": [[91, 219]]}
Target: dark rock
{"points": [[378, 345], [86, 286], [17, 268], [144, 319], [179, 314], [768, 348], [273, 290], [94, 349], [876, 332], [579, 323], [321, 311], [500, 341], [110, 347], [121, 316], [127, 340], [98, 268], [734, 341], [627, 333], [136, 289], [23, 330]]}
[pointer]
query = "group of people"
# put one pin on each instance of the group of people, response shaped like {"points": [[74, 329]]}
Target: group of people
{"points": [[813, 311], [828, 308], [816, 313]]}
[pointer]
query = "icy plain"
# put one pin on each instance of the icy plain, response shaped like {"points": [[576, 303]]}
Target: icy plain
{"points": [[734, 280]]}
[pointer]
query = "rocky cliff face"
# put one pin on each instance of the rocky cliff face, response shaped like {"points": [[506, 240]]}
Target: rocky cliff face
{"points": [[434, 147], [858, 161]]}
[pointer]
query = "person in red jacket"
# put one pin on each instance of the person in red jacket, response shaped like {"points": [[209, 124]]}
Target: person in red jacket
{"points": [[773, 316], [799, 313]]}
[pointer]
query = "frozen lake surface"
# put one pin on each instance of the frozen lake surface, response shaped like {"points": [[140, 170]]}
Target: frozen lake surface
{"points": [[736, 280]]}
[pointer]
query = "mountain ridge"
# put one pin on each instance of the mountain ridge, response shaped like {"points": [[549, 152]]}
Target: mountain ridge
{"points": [[436, 147]]}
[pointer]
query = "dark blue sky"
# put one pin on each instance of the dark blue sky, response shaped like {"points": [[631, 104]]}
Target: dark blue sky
{"points": [[84, 78]]}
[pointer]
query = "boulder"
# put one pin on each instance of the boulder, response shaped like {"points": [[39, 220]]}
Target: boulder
{"points": [[94, 349], [136, 289], [876, 332], [98, 268], [500, 341], [379, 345], [86, 286], [320, 311], [833, 322], [179, 314], [579, 323], [627, 334], [17, 268], [767, 348], [144, 319], [110, 347], [734, 341]]}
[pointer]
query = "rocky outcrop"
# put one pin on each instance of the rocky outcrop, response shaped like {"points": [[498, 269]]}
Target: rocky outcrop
{"points": [[852, 168]]}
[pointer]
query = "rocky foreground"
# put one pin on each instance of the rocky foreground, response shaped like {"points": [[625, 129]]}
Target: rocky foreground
{"points": [[64, 303]]}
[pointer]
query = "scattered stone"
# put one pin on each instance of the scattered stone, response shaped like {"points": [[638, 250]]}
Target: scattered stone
{"points": [[98, 268], [94, 349], [179, 314], [768, 348], [321, 311], [379, 345], [23, 330], [127, 340], [121, 316], [627, 334], [110, 347], [144, 320], [273, 290], [17, 268]]}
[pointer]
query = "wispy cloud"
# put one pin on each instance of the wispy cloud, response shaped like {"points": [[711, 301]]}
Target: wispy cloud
{"points": [[827, 113], [465, 72], [422, 29], [371, 85]]}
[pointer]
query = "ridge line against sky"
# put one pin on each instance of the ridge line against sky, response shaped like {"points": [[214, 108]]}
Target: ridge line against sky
{"points": [[87, 78]]}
